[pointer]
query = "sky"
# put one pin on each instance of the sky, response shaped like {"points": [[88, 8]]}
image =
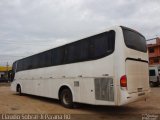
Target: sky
{"points": [[31, 26]]}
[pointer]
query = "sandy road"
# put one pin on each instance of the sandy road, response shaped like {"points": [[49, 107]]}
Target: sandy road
{"points": [[12, 103]]}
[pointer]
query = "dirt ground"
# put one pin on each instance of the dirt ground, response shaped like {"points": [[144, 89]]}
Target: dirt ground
{"points": [[11, 103]]}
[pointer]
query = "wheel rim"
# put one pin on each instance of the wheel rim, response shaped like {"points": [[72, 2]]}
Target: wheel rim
{"points": [[67, 98]]}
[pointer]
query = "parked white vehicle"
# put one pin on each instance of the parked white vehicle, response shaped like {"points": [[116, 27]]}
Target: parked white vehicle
{"points": [[154, 75], [109, 68]]}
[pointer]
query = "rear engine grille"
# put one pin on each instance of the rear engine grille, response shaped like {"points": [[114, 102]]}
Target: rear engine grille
{"points": [[104, 89]]}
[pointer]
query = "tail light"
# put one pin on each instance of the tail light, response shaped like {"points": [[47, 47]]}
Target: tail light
{"points": [[123, 81]]}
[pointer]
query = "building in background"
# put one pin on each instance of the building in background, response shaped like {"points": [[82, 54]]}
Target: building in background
{"points": [[154, 51], [5, 72]]}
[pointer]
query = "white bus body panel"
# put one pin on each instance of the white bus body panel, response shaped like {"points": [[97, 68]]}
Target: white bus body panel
{"points": [[137, 76]]}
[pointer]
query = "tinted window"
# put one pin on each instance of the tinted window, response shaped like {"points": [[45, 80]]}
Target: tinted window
{"points": [[43, 59], [152, 73], [14, 66], [58, 56], [101, 45], [134, 40], [76, 52], [71, 53], [13, 70], [90, 48], [19, 66], [29, 63]]}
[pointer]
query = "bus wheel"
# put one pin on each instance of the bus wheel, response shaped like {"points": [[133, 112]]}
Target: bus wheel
{"points": [[66, 98], [19, 90]]}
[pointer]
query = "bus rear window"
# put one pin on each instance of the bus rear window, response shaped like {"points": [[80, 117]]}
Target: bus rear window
{"points": [[134, 40]]}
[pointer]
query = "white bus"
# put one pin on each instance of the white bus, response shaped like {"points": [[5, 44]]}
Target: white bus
{"points": [[109, 68]]}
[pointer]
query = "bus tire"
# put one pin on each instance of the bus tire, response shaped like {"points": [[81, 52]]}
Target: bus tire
{"points": [[19, 90], [66, 98]]}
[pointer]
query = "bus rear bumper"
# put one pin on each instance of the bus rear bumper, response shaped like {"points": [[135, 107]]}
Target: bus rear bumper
{"points": [[133, 97]]}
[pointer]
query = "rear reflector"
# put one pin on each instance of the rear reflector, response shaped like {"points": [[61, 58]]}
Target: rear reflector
{"points": [[123, 81]]}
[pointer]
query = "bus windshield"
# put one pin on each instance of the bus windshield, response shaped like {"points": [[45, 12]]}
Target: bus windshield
{"points": [[152, 73], [134, 40]]}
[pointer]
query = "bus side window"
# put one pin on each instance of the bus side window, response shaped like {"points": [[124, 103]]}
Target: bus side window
{"points": [[58, 56], [101, 45], [76, 52]]}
